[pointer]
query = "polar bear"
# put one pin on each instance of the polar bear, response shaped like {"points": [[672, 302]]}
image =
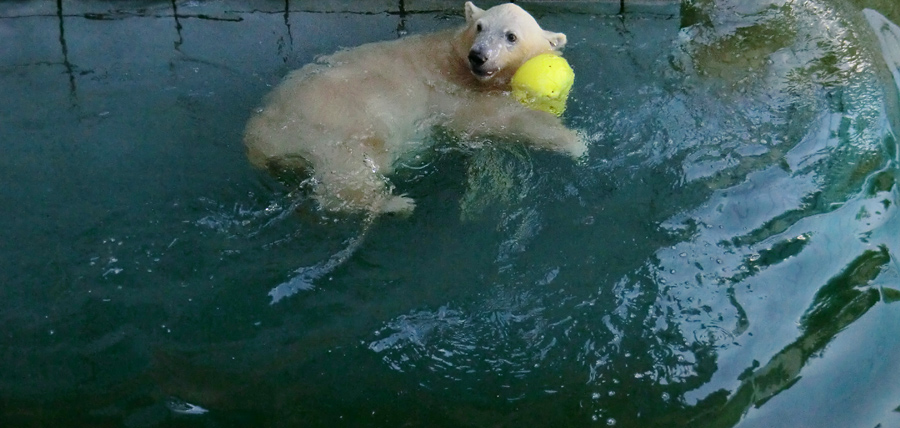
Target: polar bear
{"points": [[349, 117]]}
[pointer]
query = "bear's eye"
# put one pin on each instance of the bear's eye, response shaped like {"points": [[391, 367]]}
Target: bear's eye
{"points": [[478, 27], [511, 37]]}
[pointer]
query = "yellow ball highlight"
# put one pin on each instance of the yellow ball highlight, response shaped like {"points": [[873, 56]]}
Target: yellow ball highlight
{"points": [[543, 83]]}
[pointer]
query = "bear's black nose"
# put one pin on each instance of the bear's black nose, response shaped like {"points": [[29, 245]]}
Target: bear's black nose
{"points": [[476, 58]]}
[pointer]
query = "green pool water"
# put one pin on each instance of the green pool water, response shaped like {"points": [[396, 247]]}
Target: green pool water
{"points": [[724, 257]]}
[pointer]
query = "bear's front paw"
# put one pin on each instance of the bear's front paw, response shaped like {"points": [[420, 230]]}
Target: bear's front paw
{"points": [[572, 143], [400, 205], [578, 148]]}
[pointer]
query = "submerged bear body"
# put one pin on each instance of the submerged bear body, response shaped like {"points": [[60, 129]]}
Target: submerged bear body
{"points": [[350, 116]]}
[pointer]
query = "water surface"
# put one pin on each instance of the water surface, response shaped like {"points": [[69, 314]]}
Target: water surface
{"points": [[726, 256]]}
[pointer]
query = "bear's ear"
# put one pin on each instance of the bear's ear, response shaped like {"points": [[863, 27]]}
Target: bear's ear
{"points": [[557, 40], [472, 12]]}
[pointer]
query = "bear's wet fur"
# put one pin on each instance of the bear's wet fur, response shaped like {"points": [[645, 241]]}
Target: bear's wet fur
{"points": [[350, 116]]}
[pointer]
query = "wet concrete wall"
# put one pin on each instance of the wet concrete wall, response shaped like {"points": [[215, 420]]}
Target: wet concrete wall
{"points": [[82, 42], [104, 8]]}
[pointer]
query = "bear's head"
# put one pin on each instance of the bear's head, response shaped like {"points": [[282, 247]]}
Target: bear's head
{"points": [[502, 39]]}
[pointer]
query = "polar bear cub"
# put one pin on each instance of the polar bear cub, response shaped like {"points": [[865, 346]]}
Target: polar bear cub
{"points": [[351, 116]]}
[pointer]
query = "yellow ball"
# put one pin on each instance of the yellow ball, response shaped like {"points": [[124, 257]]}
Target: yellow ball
{"points": [[543, 83]]}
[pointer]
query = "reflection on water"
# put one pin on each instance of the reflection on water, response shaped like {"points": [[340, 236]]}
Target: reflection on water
{"points": [[724, 257], [774, 114]]}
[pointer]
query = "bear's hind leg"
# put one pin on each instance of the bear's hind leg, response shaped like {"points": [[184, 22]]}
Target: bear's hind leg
{"points": [[361, 190]]}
